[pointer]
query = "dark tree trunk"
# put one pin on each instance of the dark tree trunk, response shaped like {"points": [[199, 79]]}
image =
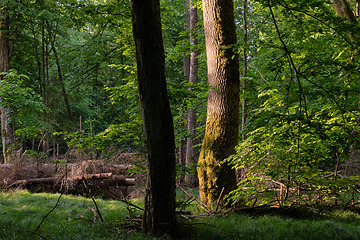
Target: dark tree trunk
{"points": [[6, 134], [216, 179], [63, 90], [191, 152], [159, 214]]}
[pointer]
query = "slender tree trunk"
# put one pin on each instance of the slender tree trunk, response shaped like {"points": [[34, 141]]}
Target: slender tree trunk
{"points": [[216, 179], [191, 151], [38, 61], [47, 138], [6, 134], [63, 90], [244, 101], [54, 126], [43, 64], [44, 81], [186, 72], [159, 214]]}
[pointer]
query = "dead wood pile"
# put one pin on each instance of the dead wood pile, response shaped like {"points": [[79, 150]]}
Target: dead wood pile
{"points": [[91, 177]]}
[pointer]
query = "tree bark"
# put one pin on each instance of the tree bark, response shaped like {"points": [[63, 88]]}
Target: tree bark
{"points": [[191, 151], [159, 213], [216, 178], [6, 134], [343, 9]]}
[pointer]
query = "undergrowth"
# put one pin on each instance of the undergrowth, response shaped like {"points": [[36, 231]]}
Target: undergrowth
{"points": [[21, 213]]}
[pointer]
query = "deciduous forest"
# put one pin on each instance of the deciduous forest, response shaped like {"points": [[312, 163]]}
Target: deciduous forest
{"points": [[180, 110]]}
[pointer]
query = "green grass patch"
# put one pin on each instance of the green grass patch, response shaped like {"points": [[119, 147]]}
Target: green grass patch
{"points": [[22, 211], [274, 227]]}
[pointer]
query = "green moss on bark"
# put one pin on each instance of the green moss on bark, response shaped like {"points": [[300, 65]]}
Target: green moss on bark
{"points": [[215, 176]]}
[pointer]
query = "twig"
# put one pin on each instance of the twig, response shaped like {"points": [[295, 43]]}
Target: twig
{"points": [[218, 201], [103, 186], [201, 204], [95, 214], [259, 73], [37, 228], [97, 209], [37, 234]]}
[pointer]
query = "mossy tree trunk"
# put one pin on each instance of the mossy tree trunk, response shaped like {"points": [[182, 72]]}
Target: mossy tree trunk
{"points": [[216, 178], [6, 135], [159, 214]]}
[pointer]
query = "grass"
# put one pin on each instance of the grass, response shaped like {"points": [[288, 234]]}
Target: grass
{"points": [[277, 228], [22, 211]]}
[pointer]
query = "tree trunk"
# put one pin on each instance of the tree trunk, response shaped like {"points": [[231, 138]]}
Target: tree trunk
{"points": [[44, 78], [6, 135], [63, 90], [244, 83], [159, 213], [343, 9], [216, 179], [186, 73], [191, 151]]}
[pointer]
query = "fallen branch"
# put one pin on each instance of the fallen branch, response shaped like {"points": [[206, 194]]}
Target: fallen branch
{"points": [[105, 187], [201, 204], [97, 209]]}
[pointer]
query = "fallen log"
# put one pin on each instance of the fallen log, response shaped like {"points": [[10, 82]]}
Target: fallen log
{"points": [[107, 178], [92, 176], [25, 182], [119, 180], [129, 181]]}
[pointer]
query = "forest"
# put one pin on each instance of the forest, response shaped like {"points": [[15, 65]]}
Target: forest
{"points": [[242, 106]]}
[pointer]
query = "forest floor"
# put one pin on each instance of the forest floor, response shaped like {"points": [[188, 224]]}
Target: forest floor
{"points": [[44, 213], [26, 215]]}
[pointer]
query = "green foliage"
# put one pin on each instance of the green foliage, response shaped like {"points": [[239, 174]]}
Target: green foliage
{"points": [[301, 119], [123, 136], [292, 154], [24, 106]]}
